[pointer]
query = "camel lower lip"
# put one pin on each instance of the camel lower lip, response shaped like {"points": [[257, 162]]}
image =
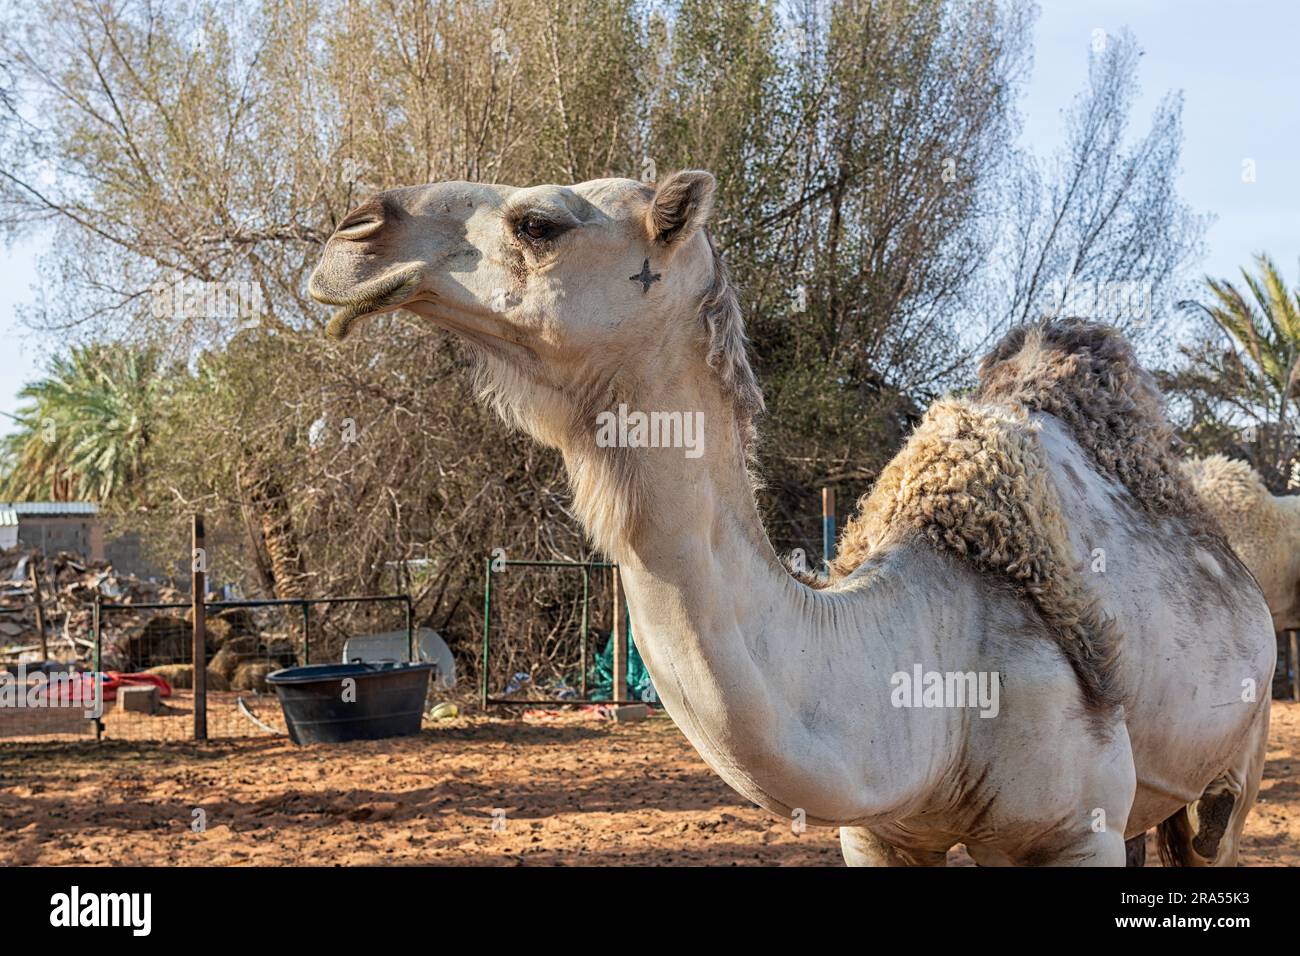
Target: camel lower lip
{"points": [[346, 316], [342, 321]]}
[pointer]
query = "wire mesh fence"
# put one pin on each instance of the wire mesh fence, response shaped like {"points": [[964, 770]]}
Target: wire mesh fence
{"points": [[546, 655], [42, 698], [149, 691], [46, 701]]}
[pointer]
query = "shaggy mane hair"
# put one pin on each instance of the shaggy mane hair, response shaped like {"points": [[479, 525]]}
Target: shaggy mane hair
{"points": [[724, 324], [1228, 486]]}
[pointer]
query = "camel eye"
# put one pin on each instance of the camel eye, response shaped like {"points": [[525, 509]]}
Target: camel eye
{"points": [[535, 229]]}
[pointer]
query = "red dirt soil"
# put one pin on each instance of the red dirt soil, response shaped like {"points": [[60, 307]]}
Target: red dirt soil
{"points": [[574, 791]]}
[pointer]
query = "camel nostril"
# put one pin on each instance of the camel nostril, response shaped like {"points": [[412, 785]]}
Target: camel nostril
{"points": [[355, 228], [364, 221]]}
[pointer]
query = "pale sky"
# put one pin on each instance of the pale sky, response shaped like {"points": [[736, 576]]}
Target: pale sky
{"points": [[1236, 65], [1240, 75]]}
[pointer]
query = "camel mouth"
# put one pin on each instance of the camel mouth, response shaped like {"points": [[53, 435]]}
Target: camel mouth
{"points": [[383, 296]]}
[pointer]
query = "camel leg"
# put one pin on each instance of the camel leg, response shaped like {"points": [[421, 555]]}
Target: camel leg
{"points": [[1135, 851], [1091, 832], [1252, 773], [861, 847], [1208, 833], [1105, 848], [1221, 813]]}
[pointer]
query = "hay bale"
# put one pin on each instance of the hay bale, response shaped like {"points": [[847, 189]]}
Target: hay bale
{"points": [[238, 619], [217, 633], [164, 639], [225, 663], [238, 649], [181, 677], [251, 675], [280, 652]]}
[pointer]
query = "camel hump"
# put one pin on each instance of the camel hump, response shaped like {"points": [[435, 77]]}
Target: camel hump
{"points": [[1086, 375], [972, 481], [1231, 485], [1261, 527]]}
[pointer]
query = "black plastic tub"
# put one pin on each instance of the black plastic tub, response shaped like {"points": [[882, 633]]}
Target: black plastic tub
{"points": [[320, 708]]}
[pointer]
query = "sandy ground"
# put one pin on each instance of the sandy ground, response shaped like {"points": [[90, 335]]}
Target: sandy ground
{"points": [[572, 791]]}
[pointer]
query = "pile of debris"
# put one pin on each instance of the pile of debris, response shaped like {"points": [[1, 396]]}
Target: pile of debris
{"points": [[59, 591]]}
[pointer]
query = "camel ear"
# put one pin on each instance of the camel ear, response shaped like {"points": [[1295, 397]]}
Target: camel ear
{"points": [[683, 203]]}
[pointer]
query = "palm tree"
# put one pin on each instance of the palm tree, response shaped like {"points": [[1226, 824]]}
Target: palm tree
{"points": [[85, 427], [1262, 370]]}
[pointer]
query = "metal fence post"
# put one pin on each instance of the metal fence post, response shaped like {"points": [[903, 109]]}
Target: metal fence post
{"points": [[410, 633], [96, 682], [586, 624], [618, 689], [39, 605], [199, 655], [306, 632], [487, 618], [1295, 664]]}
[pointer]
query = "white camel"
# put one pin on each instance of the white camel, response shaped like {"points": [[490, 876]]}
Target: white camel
{"points": [[1031, 551], [1263, 528]]}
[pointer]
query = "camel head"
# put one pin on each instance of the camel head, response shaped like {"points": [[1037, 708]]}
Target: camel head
{"points": [[572, 298]]}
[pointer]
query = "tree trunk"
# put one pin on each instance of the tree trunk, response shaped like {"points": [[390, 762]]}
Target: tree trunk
{"points": [[273, 524]]}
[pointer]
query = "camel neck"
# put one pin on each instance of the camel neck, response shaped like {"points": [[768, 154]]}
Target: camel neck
{"points": [[750, 662]]}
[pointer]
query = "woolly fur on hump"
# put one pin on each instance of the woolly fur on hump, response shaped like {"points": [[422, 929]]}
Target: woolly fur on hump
{"points": [[1086, 375], [1232, 489], [973, 481], [1262, 528]]}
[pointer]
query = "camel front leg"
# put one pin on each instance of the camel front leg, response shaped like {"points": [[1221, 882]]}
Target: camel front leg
{"points": [[861, 847]]}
